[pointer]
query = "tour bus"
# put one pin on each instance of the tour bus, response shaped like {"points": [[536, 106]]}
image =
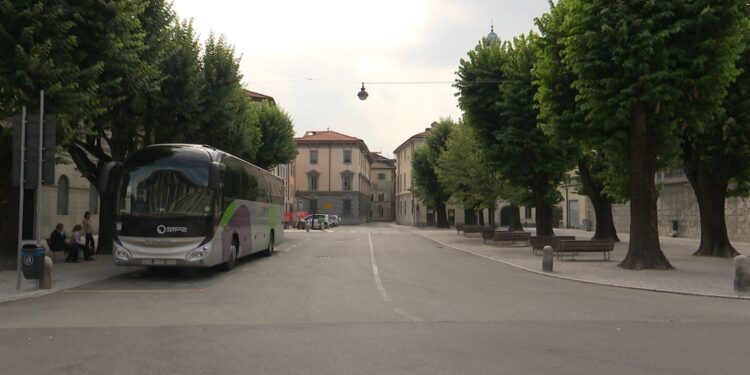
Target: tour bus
{"points": [[195, 206]]}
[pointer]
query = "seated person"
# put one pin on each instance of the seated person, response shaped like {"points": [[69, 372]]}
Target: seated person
{"points": [[57, 243], [77, 242]]}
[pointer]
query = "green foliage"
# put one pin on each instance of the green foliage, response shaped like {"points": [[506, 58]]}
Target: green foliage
{"points": [[675, 58], [463, 169], [228, 122], [178, 107], [496, 93], [277, 135], [426, 184], [723, 145]]}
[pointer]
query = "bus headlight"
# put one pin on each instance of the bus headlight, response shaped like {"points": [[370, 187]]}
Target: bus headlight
{"points": [[198, 254], [121, 253]]}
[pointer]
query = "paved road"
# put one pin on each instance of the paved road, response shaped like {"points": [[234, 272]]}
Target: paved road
{"points": [[372, 299]]}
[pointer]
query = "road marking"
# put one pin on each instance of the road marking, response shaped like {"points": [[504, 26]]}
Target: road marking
{"points": [[134, 290], [381, 287]]}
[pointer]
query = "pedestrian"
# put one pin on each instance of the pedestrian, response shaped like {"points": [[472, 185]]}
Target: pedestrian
{"points": [[77, 242], [88, 232]]}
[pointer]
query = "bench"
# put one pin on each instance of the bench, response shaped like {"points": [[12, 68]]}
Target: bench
{"points": [[459, 227], [508, 236], [476, 229], [583, 246], [539, 242]]}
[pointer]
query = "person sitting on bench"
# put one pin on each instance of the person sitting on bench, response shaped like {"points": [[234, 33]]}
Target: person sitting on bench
{"points": [[77, 242], [57, 242]]}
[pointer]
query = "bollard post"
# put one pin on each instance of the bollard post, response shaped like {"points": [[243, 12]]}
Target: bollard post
{"points": [[307, 226], [741, 273], [547, 259], [46, 282]]}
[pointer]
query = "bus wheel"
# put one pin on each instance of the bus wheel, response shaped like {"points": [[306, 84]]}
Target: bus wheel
{"points": [[232, 261], [270, 249]]}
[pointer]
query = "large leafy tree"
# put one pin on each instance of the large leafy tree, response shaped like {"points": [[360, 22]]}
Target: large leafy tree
{"points": [[645, 69], [563, 118], [228, 123], [426, 185], [496, 93], [277, 144], [716, 160], [178, 107], [463, 169]]}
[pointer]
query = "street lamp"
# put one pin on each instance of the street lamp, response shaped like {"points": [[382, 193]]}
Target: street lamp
{"points": [[362, 95]]}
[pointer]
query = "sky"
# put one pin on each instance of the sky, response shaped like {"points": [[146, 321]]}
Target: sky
{"points": [[312, 56]]}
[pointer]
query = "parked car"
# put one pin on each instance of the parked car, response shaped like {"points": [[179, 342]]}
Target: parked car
{"points": [[335, 220], [314, 221]]}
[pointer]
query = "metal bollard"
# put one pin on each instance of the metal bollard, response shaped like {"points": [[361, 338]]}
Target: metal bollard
{"points": [[741, 273], [46, 281], [547, 259], [307, 226]]}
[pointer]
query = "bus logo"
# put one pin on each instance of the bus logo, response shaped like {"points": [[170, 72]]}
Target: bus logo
{"points": [[162, 229]]}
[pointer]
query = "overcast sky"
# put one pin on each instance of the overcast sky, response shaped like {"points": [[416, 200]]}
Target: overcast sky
{"points": [[312, 55]]}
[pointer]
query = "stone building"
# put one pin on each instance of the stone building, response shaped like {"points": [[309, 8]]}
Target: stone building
{"points": [[383, 188], [332, 174]]}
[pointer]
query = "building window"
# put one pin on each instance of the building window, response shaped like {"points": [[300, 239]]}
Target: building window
{"points": [[527, 214], [381, 197], [312, 180], [346, 180], [63, 191], [313, 156], [347, 156], [380, 211], [93, 200], [347, 207], [372, 197], [313, 205], [381, 176]]}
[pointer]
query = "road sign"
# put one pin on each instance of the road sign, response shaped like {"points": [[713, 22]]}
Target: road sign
{"points": [[31, 154]]}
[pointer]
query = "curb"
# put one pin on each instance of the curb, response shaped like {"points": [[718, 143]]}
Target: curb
{"points": [[602, 283]]}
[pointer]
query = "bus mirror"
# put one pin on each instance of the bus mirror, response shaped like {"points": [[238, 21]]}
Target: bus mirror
{"points": [[214, 174], [109, 172]]}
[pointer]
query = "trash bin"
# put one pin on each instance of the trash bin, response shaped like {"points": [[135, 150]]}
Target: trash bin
{"points": [[32, 261], [587, 224]]}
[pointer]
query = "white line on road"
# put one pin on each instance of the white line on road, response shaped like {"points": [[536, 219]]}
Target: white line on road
{"points": [[381, 287]]}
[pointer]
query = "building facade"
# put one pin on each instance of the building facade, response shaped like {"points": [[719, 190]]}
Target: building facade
{"points": [[410, 210], [383, 188], [332, 174]]}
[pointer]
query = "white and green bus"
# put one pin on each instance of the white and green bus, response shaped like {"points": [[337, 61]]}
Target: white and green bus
{"points": [[195, 206]]}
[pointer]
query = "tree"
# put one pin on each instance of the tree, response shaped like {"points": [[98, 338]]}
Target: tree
{"points": [[426, 184], [463, 169], [563, 118], [178, 107], [496, 93], [228, 122], [644, 70], [277, 144], [716, 161]]}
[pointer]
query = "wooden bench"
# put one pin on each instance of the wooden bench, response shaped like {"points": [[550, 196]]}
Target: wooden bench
{"points": [[476, 229], [583, 246], [539, 242], [512, 236]]}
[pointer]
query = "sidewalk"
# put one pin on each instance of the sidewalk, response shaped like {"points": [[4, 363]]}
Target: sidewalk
{"points": [[64, 276], [692, 275]]}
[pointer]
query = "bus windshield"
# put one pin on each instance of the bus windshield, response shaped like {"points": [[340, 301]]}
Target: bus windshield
{"points": [[159, 190]]}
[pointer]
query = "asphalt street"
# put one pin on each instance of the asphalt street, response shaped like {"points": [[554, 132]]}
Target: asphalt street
{"points": [[369, 299]]}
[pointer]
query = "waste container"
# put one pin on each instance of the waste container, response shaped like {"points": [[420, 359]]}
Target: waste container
{"points": [[587, 224], [32, 261]]}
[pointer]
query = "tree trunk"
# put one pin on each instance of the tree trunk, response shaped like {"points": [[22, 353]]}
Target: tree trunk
{"points": [[710, 190], [442, 216], [491, 212], [469, 216], [644, 251], [515, 219], [544, 211], [605, 224]]}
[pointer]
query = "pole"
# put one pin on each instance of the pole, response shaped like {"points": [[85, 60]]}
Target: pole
{"points": [[39, 176], [20, 197]]}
